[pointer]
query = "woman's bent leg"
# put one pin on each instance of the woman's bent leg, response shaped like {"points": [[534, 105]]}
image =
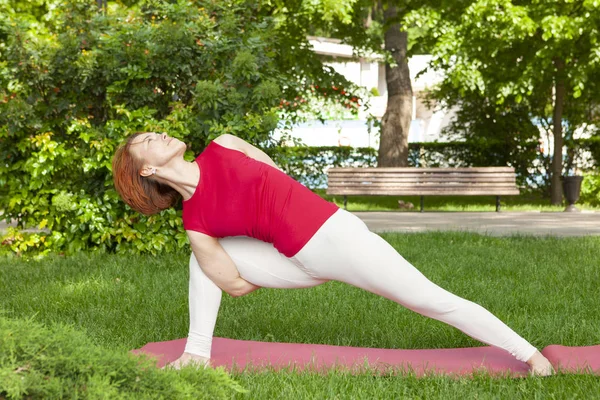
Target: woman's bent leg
{"points": [[345, 250], [259, 263]]}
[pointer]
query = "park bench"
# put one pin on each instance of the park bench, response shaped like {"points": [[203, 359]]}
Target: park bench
{"points": [[479, 181]]}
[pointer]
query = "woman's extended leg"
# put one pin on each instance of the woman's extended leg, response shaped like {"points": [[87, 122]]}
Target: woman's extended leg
{"points": [[345, 250], [258, 263]]}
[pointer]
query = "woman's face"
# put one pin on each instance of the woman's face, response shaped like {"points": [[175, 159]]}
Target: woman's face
{"points": [[156, 150]]}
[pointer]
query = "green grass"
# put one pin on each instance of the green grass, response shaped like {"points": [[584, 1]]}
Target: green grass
{"points": [[523, 202], [544, 288]]}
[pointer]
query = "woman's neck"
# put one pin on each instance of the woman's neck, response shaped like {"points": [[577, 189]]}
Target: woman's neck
{"points": [[181, 175]]}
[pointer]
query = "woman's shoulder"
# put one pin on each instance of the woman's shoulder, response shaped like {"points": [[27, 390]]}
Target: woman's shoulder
{"points": [[233, 142], [225, 140], [229, 142]]}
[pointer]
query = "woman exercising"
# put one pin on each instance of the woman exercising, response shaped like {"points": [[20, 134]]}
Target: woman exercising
{"points": [[250, 225]]}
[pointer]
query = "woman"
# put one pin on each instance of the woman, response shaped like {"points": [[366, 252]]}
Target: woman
{"points": [[250, 226]]}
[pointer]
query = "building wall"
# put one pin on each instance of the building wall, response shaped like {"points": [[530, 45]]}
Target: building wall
{"points": [[426, 125]]}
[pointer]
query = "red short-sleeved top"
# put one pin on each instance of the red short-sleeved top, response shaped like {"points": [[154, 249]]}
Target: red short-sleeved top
{"points": [[240, 196]]}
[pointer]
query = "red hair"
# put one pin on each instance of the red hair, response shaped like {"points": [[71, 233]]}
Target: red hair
{"points": [[143, 194]]}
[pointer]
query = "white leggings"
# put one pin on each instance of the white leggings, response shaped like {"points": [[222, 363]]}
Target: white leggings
{"points": [[343, 249]]}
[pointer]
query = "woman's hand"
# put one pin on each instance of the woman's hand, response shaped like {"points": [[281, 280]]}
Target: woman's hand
{"points": [[189, 359], [540, 365]]}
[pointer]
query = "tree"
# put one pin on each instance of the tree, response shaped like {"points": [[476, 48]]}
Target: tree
{"points": [[395, 124], [539, 55], [374, 27]]}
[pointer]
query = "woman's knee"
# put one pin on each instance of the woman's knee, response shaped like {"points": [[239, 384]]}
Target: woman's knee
{"points": [[261, 264], [427, 299]]}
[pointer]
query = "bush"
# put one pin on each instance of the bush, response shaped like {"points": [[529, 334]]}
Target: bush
{"points": [[591, 145], [39, 362], [76, 82], [590, 189]]}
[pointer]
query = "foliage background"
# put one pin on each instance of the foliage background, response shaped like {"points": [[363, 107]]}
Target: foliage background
{"points": [[74, 82], [502, 62]]}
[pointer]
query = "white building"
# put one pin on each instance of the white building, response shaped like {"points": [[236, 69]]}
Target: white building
{"points": [[369, 73]]}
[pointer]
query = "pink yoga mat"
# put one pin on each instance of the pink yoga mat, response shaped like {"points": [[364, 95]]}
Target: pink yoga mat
{"points": [[239, 354]]}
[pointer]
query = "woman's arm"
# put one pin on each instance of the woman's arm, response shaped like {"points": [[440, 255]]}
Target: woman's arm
{"points": [[236, 143], [218, 266]]}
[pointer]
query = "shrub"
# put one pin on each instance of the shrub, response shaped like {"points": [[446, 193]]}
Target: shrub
{"points": [[590, 145], [59, 362], [590, 189], [75, 82]]}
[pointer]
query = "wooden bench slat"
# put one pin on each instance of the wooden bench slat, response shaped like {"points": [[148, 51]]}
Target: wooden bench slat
{"points": [[507, 192], [419, 184], [428, 186], [422, 190], [411, 174], [425, 188], [416, 175], [401, 191], [418, 194], [343, 181], [419, 170]]}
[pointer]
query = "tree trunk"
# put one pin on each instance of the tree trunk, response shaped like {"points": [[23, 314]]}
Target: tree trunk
{"points": [[557, 131], [393, 145], [102, 5]]}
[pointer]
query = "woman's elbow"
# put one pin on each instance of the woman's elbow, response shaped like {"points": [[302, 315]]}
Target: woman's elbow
{"points": [[241, 288], [236, 289], [235, 292]]}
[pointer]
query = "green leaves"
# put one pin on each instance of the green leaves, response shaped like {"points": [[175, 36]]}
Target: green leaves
{"points": [[82, 82], [75, 83], [207, 94], [265, 91], [501, 60], [562, 27], [245, 65], [63, 201]]}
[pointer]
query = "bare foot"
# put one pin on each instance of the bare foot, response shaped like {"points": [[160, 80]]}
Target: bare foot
{"points": [[540, 366], [189, 359]]}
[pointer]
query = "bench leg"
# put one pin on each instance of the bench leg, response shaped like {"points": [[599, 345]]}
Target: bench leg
{"points": [[497, 203], [345, 202], [422, 203]]}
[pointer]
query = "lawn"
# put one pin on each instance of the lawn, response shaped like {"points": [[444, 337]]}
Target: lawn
{"points": [[523, 202], [544, 288]]}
